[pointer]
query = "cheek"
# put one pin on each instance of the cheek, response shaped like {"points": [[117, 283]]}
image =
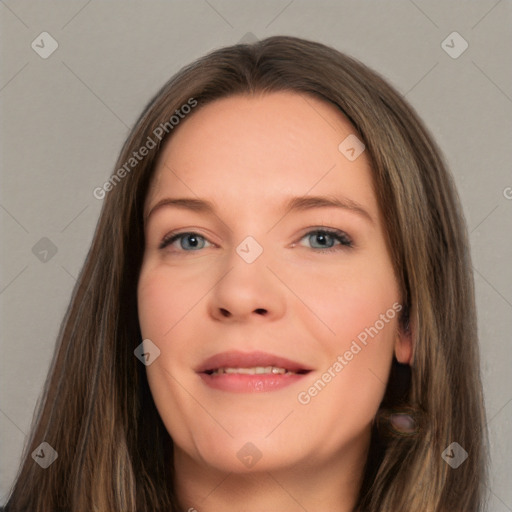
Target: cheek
{"points": [[349, 388], [162, 305], [155, 304], [166, 309], [162, 302], [348, 301], [359, 311]]}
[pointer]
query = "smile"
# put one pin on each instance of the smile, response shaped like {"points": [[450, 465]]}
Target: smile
{"points": [[252, 372], [257, 370]]}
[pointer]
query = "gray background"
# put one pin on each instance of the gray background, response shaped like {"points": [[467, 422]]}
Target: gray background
{"points": [[65, 117]]}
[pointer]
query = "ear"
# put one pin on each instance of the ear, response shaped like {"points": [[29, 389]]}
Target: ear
{"points": [[403, 346]]}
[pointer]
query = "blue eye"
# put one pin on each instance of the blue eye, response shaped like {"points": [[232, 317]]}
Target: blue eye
{"points": [[194, 238], [324, 235], [191, 241]]}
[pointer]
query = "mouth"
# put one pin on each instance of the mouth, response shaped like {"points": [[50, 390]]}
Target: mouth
{"points": [[250, 372], [256, 370]]}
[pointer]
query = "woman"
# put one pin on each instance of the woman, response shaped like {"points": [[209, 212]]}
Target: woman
{"points": [[277, 310]]}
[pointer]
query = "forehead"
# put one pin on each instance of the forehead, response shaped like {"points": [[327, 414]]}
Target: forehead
{"points": [[253, 149]]}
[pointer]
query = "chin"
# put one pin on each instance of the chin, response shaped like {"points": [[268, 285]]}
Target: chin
{"points": [[249, 454]]}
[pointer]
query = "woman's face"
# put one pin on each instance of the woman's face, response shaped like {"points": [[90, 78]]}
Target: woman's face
{"points": [[253, 289]]}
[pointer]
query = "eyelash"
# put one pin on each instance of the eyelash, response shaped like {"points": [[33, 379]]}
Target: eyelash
{"points": [[340, 236]]}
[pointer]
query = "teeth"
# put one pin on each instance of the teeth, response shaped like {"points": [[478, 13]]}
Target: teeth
{"points": [[257, 370]]}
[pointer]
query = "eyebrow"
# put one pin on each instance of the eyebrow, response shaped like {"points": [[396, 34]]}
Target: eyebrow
{"points": [[298, 203]]}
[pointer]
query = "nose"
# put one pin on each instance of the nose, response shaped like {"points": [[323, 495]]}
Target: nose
{"points": [[246, 291], [259, 311]]}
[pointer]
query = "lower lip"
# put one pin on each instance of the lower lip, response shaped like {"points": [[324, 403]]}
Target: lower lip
{"points": [[243, 383]]}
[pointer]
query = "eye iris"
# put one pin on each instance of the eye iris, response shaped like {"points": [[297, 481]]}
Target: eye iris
{"points": [[321, 236], [191, 237]]}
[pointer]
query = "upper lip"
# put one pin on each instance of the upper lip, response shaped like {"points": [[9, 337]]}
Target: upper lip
{"points": [[236, 359]]}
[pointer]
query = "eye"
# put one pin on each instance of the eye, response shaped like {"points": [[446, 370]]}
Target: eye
{"points": [[189, 241], [326, 238]]}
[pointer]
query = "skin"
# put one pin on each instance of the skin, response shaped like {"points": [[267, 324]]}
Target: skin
{"points": [[247, 154]]}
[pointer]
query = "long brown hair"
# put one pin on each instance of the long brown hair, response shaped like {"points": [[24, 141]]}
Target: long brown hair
{"points": [[96, 410]]}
